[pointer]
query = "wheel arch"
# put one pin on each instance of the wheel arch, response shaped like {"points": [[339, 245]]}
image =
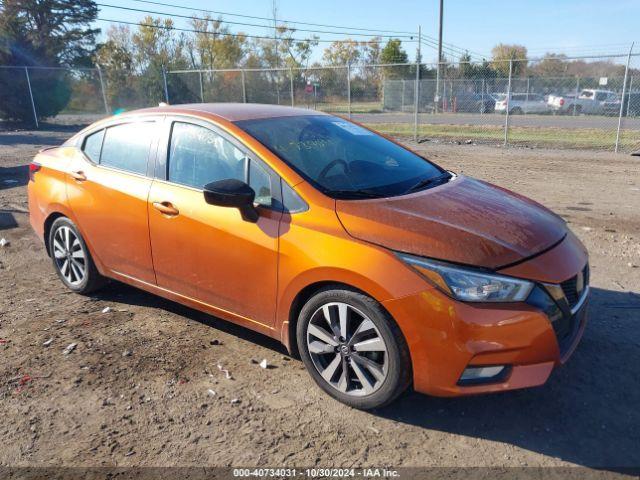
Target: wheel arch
{"points": [[60, 211], [47, 229], [288, 328]]}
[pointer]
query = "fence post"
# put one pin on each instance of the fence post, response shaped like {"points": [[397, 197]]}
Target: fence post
{"points": [[104, 95], [244, 87], [201, 87], [416, 101], [482, 110], [349, 89], [629, 94], [575, 100], [33, 104], [291, 86], [527, 100], [506, 118], [624, 92], [166, 89], [436, 98]]}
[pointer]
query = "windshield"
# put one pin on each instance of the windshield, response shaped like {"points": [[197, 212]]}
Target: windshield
{"points": [[342, 159]]}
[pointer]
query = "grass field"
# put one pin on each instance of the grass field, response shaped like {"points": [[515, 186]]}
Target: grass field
{"points": [[535, 136], [356, 107]]}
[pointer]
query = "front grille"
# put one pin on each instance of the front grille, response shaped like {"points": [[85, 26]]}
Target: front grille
{"points": [[567, 327], [574, 287]]}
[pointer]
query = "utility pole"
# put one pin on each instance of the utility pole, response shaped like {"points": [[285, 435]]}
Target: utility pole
{"points": [[274, 9], [440, 32], [416, 91], [439, 67]]}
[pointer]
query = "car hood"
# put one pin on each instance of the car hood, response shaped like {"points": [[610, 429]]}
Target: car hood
{"points": [[465, 221]]}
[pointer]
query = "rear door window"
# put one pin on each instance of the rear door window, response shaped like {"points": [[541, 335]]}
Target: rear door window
{"points": [[93, 145], [126, 146]]}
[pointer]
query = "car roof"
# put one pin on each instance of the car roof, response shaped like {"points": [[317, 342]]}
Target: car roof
{"points": [[233, 112]]}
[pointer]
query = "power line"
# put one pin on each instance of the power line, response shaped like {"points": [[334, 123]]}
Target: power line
{"points": [[450, 46], [269, 19], [453, 51], [155, 12], [229, 34]]}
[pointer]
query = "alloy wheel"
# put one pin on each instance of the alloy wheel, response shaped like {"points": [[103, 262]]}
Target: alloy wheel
{"points": [[347, 349], [69, 255]]}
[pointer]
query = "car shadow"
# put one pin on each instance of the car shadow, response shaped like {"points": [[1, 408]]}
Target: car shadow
{"points": [[11, 177], [122, 293], [587, 413]]}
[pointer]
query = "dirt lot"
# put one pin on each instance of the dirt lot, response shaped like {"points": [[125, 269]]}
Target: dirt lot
{"points": [[135, 389]]}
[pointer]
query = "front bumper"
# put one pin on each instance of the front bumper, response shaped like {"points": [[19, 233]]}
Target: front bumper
{"points": [[446, 336]]}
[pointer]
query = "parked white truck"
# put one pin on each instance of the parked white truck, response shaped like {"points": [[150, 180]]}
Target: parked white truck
{"points": [[590, 101]]}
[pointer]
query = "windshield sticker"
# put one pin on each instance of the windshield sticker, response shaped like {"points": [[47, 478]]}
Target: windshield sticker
{"points": [[352, 129]]}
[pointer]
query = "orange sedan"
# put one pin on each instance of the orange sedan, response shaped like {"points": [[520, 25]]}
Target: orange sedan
{"points": [[377, 267]]}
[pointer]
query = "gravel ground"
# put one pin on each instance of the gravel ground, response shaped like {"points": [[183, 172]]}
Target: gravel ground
{"points": [[143, 385]]}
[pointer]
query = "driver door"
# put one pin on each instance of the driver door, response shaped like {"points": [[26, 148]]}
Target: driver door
{"points": [[205, 252]]}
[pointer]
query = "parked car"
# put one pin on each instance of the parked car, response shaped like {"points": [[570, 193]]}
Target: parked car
{"points": [[590, 101], [521, 103], [630, 108], [562, 104], [473, 102], [378, 267], [611, 107]]}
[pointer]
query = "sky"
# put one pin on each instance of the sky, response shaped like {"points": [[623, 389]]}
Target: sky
{"points": [[573, 27]]}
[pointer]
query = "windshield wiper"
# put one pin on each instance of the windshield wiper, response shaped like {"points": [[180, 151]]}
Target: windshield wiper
{"points": [[429, 182]]}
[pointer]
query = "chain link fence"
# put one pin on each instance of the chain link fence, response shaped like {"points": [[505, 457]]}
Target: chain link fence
{"points": [[559, 102]]}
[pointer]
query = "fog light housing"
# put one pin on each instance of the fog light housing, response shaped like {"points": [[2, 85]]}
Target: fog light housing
{"points": [[477, 375]]}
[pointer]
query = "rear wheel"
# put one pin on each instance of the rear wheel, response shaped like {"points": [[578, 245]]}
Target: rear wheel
{"points": [[574, 110], [353, 349], [71, 258]]}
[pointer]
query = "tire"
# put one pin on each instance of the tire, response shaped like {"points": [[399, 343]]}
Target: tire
{"points": [[515, 111], [570, 110], [71, 258], [373, 350]]}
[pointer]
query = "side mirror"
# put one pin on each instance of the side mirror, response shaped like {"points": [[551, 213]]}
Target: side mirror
{"points": [[232, 193]]}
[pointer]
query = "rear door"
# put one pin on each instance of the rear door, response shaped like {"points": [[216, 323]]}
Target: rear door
{"points": [[206, 252], [108, 187]]}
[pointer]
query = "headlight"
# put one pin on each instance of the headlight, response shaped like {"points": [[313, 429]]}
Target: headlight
{"points": [[470, 285]]}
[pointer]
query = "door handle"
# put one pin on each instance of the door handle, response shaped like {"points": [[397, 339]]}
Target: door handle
{"points": [[166, 208], [78, 176]]}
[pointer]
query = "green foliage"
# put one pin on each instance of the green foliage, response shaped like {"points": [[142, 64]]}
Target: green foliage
{"points": [[394, 53], [49, 33], [502, 54]]}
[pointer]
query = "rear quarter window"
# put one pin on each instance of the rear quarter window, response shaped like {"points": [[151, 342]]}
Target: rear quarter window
{"points": [[126, 146], [92, 146]]}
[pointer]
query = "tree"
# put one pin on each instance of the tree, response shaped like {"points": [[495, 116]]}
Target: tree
{"points": [[157, 48], [466, 69], [115, 58], [211, 47], [503, 53], [371, 51], [50, 33], [394, 53], [342, 53]]}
